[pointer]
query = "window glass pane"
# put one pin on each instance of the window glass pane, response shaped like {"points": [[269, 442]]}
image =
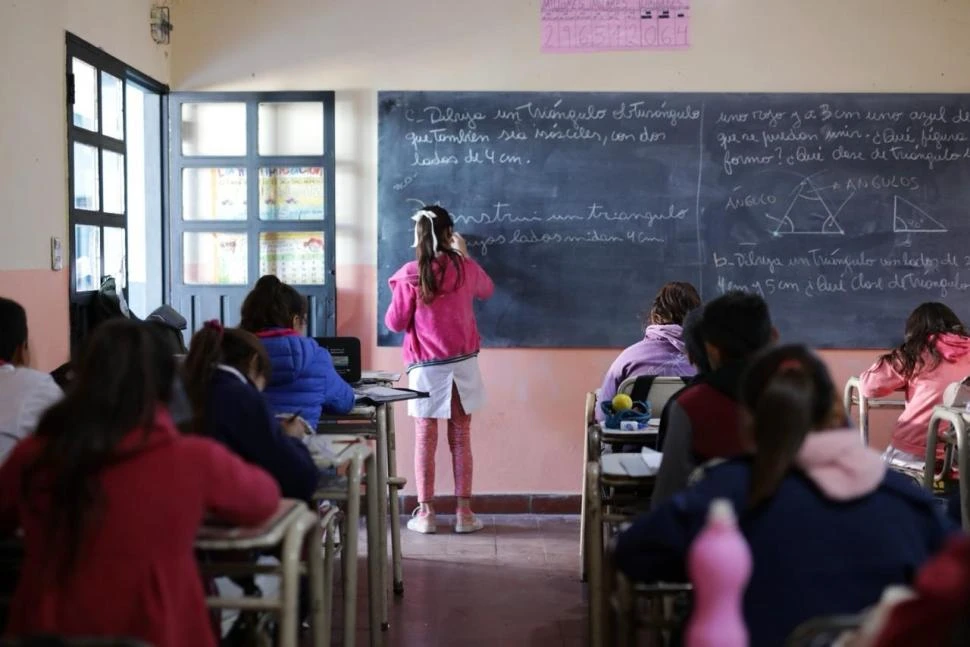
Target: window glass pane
{"points": [[112, 106], [214, 194], [85, 95], [114, 181], [295, 257], [87, 257], [214, 258], [291, 128], [114, 255], [291, 193], [214, 129], [86, 177], [144, 158]]}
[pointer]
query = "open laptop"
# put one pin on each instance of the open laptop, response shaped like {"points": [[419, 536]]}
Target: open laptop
{"points": [[345, 352]]}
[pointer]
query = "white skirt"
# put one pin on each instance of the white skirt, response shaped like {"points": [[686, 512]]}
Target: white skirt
{"points": [[436, 380]]}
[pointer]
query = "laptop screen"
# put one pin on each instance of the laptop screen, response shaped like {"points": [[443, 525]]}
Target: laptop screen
{"points": [[345, 352]]}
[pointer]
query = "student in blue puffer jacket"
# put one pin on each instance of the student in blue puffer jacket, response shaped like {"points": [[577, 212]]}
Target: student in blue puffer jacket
{"points": [[304, 381]]}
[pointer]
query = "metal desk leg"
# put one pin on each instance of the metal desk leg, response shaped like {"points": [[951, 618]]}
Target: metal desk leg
{"points": [[594, 548], [395, 503], [929, 459], [375, 558], [290, 584], [963, 464], [348, 552], [327, 602], [319, 609], [382, 488]]}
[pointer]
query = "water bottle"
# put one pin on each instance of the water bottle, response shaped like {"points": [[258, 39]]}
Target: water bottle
{"points": [[719, 566]]}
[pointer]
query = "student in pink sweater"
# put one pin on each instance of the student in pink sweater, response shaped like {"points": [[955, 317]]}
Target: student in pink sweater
{"points": [[935, 353], [431, 303]]}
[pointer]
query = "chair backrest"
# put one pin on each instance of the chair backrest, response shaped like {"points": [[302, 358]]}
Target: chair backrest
{"points": [[589, 413], [822, 632], [659, 389]]}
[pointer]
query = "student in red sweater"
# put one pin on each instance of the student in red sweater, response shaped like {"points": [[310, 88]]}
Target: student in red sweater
{"points": [[110, 496]]}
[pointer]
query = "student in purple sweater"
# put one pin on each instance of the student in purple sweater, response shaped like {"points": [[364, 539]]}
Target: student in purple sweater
{"points": [[661, 352]]}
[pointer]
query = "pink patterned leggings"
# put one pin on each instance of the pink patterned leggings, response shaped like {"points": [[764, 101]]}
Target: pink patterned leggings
{"points": [[459, 439]]}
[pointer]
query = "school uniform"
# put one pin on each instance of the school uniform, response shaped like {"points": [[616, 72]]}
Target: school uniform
{"points": [[441, 339], [136, 574], [303, 379], [441, 344], [237, 415], [25, 395], [661, 352], [839, 530]]}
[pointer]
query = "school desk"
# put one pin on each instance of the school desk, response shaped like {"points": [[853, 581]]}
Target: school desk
{"points": [[292, 528], [359, 459]]}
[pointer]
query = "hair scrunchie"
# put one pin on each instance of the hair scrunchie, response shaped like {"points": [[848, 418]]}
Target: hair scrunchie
{"points": [[424, 213]]}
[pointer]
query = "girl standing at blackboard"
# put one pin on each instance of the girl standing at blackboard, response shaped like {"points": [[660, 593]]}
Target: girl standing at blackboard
{"points": [[431, 303]]}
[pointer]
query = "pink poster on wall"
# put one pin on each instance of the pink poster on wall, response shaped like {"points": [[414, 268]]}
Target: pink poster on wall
{"points": [[609, 25]]}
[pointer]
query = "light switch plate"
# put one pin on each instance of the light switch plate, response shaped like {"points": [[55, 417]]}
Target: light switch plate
{"points": [[57, 254]]}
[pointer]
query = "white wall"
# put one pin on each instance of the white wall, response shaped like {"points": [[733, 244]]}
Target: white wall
{"points": [[33, 131]]}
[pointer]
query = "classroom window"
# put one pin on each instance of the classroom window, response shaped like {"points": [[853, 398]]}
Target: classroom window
{"points": [[252, 177], [115, 181]]}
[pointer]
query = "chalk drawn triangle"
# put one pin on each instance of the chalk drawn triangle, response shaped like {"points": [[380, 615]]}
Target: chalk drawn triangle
{"points": [[808, 213], [910, 219]]}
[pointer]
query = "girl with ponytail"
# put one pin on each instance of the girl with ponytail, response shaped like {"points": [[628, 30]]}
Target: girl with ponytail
{"points": [[432, 304], [225, 372], [828, 525], [304, 381]]}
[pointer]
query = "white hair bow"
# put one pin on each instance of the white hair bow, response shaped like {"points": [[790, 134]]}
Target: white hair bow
{"points": [[424, 213]]}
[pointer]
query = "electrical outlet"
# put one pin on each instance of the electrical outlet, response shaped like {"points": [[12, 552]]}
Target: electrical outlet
{"points": [[57, 254]]}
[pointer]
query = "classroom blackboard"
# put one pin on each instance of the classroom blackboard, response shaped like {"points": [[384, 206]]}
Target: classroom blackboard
{"points": [[844, 211]]}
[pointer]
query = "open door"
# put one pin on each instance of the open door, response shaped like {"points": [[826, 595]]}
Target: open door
{"points": [[251, 193]]}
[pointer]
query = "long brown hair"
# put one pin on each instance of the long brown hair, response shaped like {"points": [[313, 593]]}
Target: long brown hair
{"points": [[923, 325], [431, 275], [125, 374], [788, 392], [211, 346], [272, 304], [672, 303]]}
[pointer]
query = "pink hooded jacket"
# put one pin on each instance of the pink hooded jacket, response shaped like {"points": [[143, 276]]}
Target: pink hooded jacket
{"points": [[923, 391], [445, 328]]}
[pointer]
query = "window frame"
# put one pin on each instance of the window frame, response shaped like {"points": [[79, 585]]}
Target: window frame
{"points": [[101, 61], [322, 315]]}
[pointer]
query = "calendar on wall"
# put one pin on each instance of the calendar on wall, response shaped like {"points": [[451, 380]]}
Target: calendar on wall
{"points": [[295, 257]]}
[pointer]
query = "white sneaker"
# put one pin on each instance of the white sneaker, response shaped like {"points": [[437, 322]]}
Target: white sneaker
{"points": [[466, 522], [423, 523]]}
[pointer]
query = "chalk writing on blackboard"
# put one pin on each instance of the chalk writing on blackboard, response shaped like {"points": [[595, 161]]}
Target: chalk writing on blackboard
{"points": [[604, 25]]}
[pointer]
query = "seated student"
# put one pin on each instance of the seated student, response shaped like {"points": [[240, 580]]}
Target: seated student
{"points": [[304, 382], [661, 351], [224, 372], [935, 352], [697, 356], [704, 422], [110, 497], [828, 525], [25, 394]]}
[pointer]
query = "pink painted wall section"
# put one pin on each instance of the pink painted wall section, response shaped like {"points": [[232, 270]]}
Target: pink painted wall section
{"points": [[43, 294], [528, 439]]}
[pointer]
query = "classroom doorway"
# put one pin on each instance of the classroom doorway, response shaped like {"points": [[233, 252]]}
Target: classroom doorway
{"points": [[115, 184], [251, 193]]}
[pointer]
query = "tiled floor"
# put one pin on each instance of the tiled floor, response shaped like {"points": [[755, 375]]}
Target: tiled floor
{"points": [[514, 584]]}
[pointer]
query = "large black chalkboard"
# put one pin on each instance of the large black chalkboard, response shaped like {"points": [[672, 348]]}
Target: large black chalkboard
{"points": [[845, 211]]}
